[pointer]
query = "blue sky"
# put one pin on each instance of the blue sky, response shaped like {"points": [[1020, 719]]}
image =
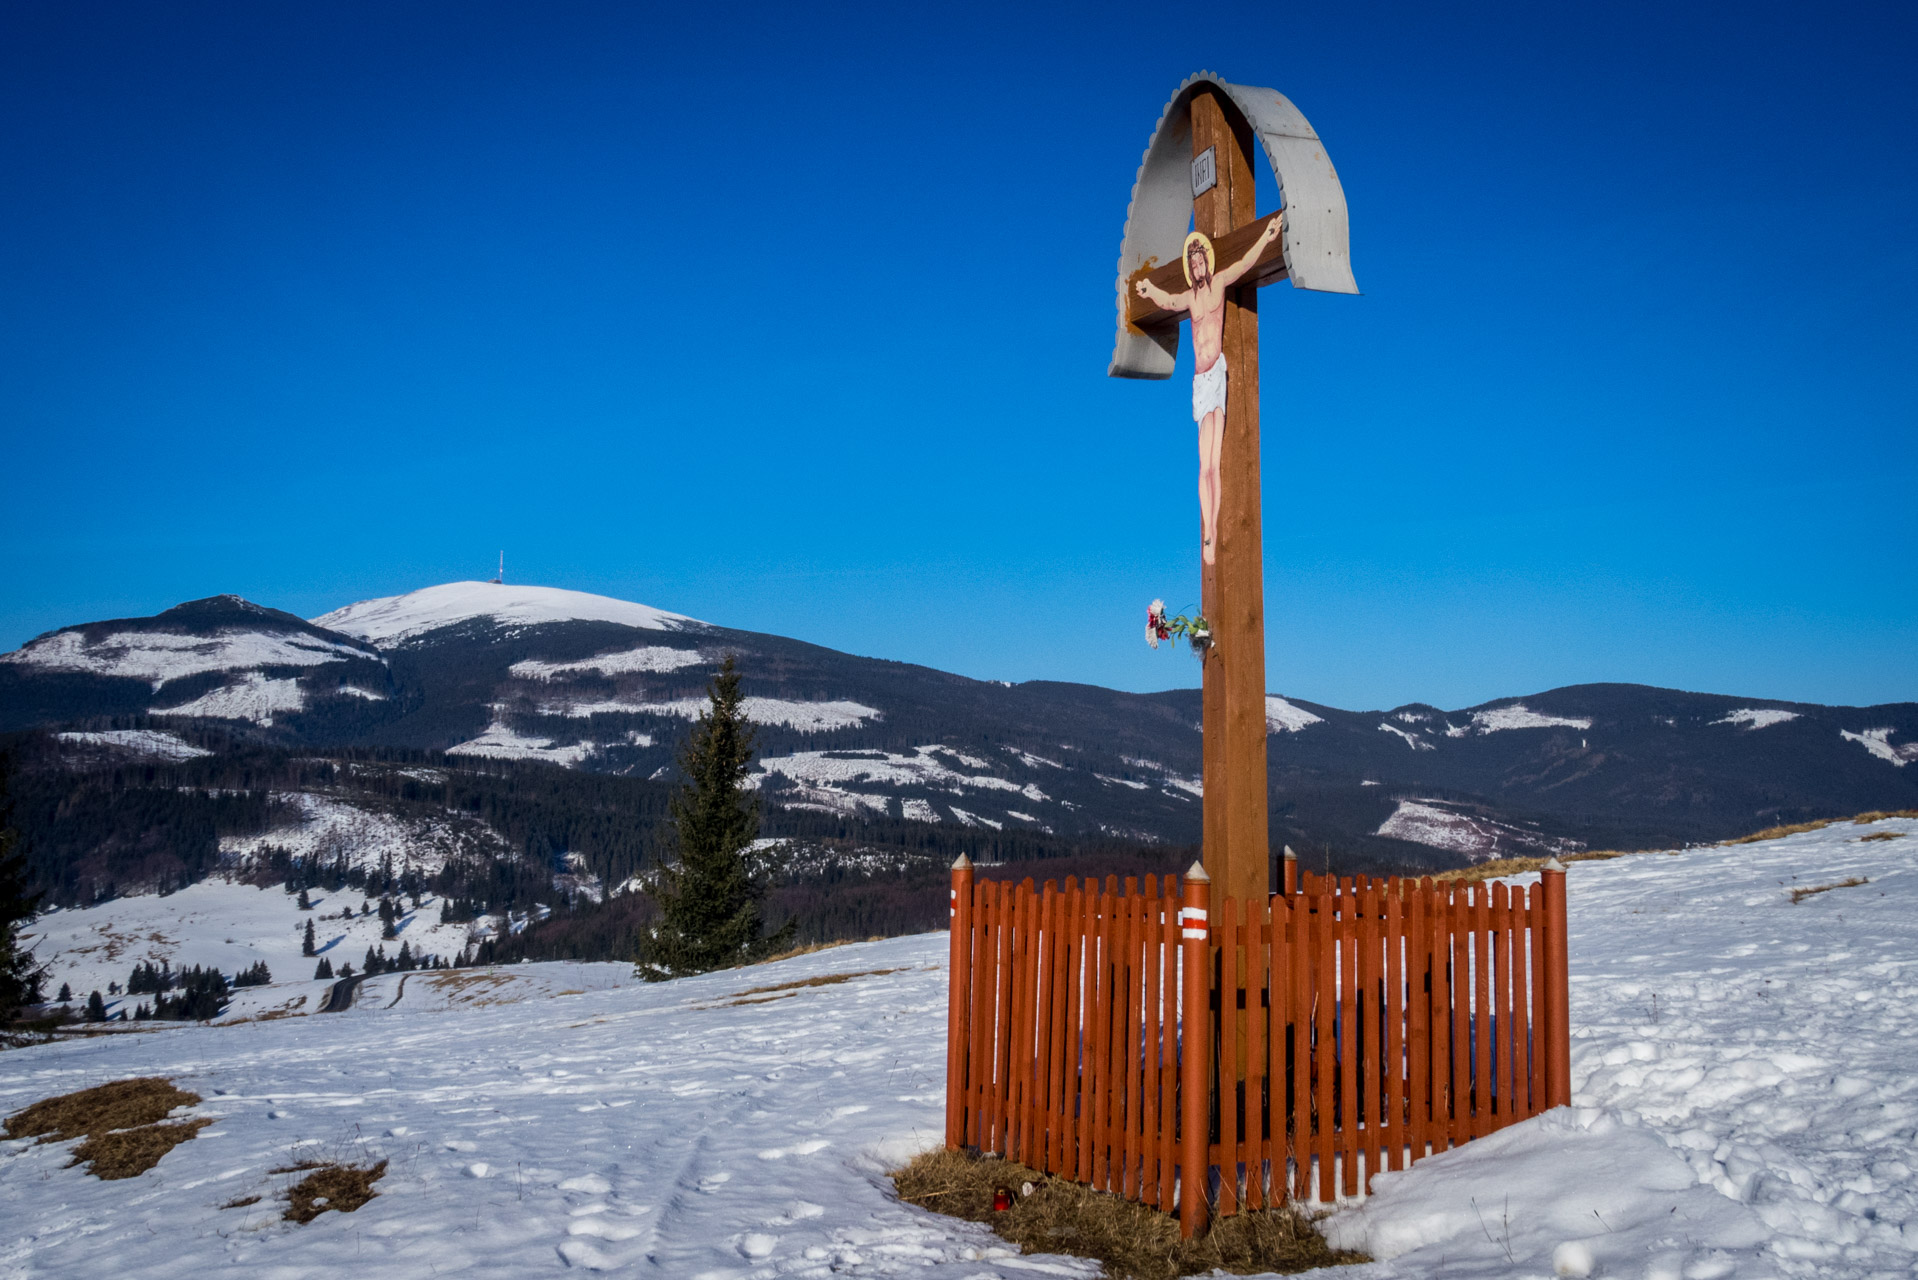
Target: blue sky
{"points": [[796, 319]]}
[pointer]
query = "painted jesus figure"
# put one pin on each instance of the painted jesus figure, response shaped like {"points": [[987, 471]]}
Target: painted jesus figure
{"points": [[1204, 300]]}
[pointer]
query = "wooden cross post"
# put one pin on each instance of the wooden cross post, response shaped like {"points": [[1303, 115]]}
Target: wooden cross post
{"points": [[1233, 591]]}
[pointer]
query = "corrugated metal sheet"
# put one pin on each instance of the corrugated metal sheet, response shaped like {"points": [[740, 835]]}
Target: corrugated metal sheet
{"points": [[1316, 241]]}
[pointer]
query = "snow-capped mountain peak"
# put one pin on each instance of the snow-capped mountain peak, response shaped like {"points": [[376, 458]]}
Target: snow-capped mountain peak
{"points": [[392, 619]]}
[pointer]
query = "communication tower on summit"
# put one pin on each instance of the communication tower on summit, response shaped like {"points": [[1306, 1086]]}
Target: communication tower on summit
{"points": [[501, 579]]}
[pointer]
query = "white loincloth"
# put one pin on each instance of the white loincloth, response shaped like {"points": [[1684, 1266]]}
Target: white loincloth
{"points": [[1208, 390]]}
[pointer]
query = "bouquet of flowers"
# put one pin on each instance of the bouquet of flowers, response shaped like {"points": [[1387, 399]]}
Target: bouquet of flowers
{"points": [[1196, 630]]}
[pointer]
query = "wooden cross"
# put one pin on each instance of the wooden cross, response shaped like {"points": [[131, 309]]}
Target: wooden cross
{"points": [[1225, 119]]}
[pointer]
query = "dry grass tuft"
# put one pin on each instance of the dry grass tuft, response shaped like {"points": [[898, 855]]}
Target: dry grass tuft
{"points": [[812, 948], [344, 1187], [1881, 835], [128, 1153], [1132, 1241], [119, 1122], [1799, 895], [823, 980], [1499, 868], [241, 1203], [123, 1104], [1775, 833]]}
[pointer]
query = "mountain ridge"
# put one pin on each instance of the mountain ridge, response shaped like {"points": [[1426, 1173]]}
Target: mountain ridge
{"points": [[481, 672]]}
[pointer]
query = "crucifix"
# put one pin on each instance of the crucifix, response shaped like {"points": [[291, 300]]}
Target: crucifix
{"points": [[1197, 249]]}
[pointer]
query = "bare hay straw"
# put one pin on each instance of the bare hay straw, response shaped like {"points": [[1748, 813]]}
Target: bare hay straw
{"points": [[1799, 895], [1499, 868], [1775, 833], [812, 948], [786, 990], [1132, 1241], [118, 1121], [341, 1187]]}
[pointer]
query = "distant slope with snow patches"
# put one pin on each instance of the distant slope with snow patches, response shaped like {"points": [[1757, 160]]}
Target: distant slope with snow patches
{"points": [[327, 831], [137, 744], [160, 656], [230, 927], [1744, 1107]]}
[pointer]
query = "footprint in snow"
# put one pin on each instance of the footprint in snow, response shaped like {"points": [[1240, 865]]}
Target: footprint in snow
{"points": [[605, 1228], [591, 1183], [797, 1211], [757, 1244], [714, 1182], [797, 1149], [577, 1253]]}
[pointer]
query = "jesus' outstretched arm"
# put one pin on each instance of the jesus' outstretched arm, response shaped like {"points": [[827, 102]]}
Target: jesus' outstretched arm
{"points": [[1229, 276], [1160, 298]]}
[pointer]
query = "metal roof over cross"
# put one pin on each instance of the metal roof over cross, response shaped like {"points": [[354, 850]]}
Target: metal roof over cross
{"points": [[1198, 174]]}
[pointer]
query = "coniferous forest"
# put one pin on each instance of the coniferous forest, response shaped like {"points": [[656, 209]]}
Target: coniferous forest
{"points": [[92, 834]]}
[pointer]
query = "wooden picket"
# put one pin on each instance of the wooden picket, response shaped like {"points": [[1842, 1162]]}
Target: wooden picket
{"points": [[1352, 1026]]}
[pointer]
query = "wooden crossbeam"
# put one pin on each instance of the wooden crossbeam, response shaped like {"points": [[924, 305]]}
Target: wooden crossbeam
{"points": [[1145, 315]]}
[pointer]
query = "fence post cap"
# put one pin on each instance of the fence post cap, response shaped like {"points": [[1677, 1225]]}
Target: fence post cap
{"points": [[1289, 855], [1197, 872], [962, 864], [1553, 864]]}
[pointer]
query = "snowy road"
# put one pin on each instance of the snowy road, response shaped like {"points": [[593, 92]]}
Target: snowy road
{"points": [[1747, 1106]]}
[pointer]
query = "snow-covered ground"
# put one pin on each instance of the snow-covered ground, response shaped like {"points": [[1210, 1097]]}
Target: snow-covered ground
{"points": [[808, 717], [139, 744], [1745, 1106], [1517, 715], [1879, 743], [1440, 825], [329, 829], [1743, 1077], [252, 697], [1284, 717], [161, 656], [624, 662], [503, 742], [1757, 717]]}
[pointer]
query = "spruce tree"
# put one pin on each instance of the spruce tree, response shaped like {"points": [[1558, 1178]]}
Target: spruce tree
{"points": [[324, 969], [709, 897], [96, 1008], [306, 903], [66, 994], [306, 945], [20, 977]]}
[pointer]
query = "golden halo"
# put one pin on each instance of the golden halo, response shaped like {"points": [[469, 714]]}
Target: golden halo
{"points": [[1185, 255]]}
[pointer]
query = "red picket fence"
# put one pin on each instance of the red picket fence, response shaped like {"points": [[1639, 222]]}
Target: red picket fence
{"points": [[1349, 1028]]}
